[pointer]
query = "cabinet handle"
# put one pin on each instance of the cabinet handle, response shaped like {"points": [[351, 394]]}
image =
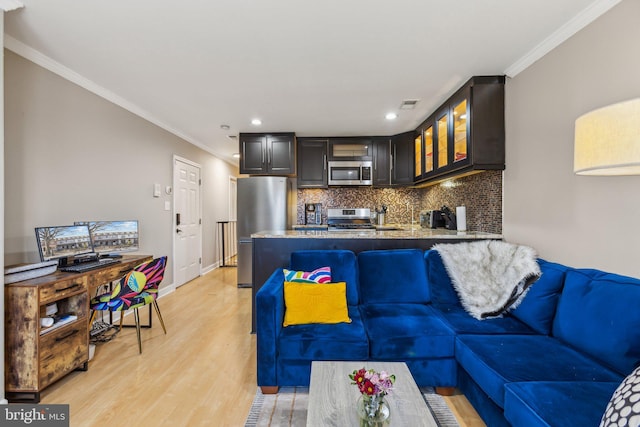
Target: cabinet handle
{"points": [[75, 285], [268, 156], [64, 337], [324, 161]]}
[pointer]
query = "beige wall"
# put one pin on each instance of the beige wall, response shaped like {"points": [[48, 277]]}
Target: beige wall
{"points": [[71, 155], [576, 220]]}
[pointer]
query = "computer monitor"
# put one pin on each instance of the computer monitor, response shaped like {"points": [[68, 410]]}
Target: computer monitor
{"points": [[63, 241], [113, 237]]}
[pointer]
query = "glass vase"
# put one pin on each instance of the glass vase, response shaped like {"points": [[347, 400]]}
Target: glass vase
{"points": [[373, 411]]}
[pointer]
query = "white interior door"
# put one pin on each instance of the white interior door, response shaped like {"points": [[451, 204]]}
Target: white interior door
{"points": [[187, 220]]}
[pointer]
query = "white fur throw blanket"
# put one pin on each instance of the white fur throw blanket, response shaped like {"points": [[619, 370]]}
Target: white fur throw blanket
{"points": [[490, 276]]}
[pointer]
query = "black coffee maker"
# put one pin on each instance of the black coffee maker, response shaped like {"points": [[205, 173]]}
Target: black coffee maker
{"points": [[313, 213]]}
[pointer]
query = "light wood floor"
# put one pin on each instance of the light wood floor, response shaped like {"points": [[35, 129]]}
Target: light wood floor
{"points": [[202, 373]]}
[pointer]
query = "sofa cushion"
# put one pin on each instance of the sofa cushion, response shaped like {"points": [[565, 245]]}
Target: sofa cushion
{"points": [[315, 303], [343, 264], [598, 314], [461, 322], [567, 404], [495, 360], [441, 289], [406, 331], [340, 341], [537, 309], [393, 276]]}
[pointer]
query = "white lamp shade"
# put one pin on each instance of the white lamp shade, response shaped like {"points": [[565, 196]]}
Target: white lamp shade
{"points": [[607, 140]]}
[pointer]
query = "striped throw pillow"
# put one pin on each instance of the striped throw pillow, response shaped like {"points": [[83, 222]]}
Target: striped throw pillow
{"points": [[319, 275]]}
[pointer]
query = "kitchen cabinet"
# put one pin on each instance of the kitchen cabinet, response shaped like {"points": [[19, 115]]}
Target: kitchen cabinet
{"points": [[423, 151], [418, 149], [402, 161], [393, 160], [351, 148], [312, 163], [381, 161], [267, 154], [465, 134]]}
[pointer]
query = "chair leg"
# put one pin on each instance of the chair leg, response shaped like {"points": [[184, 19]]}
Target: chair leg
{"points": [[93, 317], [137, 317], [121, 319], [155, 305]]}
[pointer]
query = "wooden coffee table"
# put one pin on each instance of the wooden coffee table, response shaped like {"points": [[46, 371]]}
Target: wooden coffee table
{"points": [[332, 397]]}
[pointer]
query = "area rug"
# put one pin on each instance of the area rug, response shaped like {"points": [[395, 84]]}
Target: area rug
{"points": [[288, 408]]}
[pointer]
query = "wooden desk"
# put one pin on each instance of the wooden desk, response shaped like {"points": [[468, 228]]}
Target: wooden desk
{"points": [[35, 358]]}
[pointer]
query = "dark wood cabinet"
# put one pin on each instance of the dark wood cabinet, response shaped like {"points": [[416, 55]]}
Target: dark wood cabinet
{"points": [[402, 161], [312, 163], [267, 154], [381, 161], [393, 160], [465, 134], [351, 148]]}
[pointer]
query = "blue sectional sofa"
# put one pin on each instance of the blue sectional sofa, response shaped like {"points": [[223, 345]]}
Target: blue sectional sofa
{"points": [[554, 360]]}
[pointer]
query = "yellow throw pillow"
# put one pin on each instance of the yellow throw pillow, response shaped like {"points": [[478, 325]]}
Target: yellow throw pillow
{"points": [[315, 303]]}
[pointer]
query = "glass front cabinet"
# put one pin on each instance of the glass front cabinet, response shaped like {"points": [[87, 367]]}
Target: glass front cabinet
{"points": [[466, 133], [418, 170]]}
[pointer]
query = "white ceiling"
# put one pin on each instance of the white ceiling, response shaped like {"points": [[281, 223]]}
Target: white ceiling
{"points": [[323, 68]]}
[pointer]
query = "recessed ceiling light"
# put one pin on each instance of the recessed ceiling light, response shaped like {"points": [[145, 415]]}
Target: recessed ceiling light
{"points": [[236, 155], [391, 116], [256, 122], [225, 127]]}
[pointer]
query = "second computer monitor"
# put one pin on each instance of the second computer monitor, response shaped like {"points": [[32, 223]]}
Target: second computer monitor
{"points": [[111, 237]]}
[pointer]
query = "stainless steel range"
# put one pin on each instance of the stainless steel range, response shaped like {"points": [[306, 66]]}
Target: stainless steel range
{"points": [[349, 219]]}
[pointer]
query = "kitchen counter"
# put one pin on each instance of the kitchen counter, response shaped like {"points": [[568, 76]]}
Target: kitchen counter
{"points": [[272, 248], [384, 232]]}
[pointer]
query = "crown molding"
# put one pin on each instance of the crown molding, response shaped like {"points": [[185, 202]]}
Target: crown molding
{"points": [[578, 22], [55, 67]]}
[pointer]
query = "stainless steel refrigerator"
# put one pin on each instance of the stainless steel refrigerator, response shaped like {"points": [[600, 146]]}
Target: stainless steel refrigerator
{"points": [[264, 203]]}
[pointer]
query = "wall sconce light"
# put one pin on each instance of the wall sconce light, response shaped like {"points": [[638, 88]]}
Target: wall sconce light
{"points": [[607, 140]]}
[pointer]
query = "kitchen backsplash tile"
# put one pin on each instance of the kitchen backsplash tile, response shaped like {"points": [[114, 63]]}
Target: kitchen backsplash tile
{"points": [[480, 193]]}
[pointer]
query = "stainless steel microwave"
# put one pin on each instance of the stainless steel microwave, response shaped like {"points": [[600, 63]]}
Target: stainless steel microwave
{"points": [[342, 172]]}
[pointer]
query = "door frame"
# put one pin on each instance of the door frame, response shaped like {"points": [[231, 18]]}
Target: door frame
{"points": [[177, 158], [233, 216]]}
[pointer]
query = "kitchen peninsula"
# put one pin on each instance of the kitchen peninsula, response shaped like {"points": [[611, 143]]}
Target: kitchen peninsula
{"points": [[272, 248]]}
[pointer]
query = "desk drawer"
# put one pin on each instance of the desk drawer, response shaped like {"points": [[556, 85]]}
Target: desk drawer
{"points": [[63, 351], [62, 289], [107, 275]]}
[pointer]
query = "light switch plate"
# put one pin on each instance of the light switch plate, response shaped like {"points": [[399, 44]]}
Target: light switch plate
{"points": [[167, 205], [156, 190]]}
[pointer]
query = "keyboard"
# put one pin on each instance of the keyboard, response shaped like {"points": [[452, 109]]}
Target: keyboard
{"points": [[86, 266]]}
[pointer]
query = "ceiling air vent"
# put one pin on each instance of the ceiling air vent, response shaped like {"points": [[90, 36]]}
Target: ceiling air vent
{"points": [[409, 104]]}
